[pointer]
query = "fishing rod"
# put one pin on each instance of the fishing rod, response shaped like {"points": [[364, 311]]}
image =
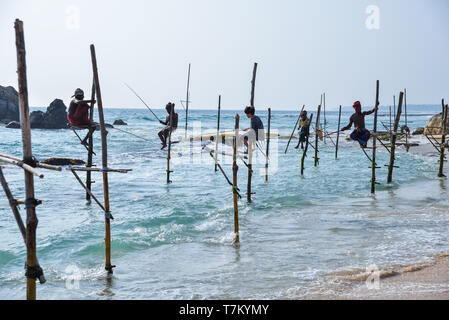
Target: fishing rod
{"points": [[293, 132], [142, 101]]}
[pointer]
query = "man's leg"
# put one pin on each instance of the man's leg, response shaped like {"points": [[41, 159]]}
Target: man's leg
{"points": [[91, 129]]}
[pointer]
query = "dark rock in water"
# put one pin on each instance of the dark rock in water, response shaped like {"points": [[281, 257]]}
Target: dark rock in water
{"points": [[9, 104], [119, 122], [419, 130], [63, 161], [54, 118], [13, 125]]}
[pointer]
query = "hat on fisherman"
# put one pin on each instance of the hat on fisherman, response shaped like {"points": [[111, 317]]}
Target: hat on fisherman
{"points": [[357, 104], [78, 92]]}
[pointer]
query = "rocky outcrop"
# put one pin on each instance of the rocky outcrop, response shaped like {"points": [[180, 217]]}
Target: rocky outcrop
{"points": [[419, 130], [63, 161], [9, 104], [433, 126], [13, 125], [54, 118], [119, 122]]}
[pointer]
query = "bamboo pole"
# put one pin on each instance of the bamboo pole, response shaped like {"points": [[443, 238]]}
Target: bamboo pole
{"points": [[31, 221], [13, 203], [91, 145], [391, 123], [338, 133], [294, 128], [172, 110], [187, 100], [235, 169], [393, 139], [443, 138], [22, 165], [317, 124], [304, 153], [250, 147], [394, 107], [104, 157], [218, 131], [324, 116], [268, 145], [373, 162], [38, 165], [405, 113]]}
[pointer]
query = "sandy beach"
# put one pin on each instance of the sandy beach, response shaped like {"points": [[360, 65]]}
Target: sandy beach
{"points": [[421, 281]]}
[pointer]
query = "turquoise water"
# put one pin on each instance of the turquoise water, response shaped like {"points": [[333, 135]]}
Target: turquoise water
{"points": [[175, 241]]}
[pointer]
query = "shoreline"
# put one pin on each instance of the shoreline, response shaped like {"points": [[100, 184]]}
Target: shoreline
{"points": [[419, 281]]}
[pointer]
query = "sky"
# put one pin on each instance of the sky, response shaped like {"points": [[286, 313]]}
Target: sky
{"points": [[303, 48]]}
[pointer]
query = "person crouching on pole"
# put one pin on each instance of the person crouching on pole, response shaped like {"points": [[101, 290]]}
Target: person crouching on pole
{"points": [[360, 133], [78, 115]]}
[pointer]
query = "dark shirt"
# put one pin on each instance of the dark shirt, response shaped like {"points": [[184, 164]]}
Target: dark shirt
{"points": [[256, 125], [175, 121], [358, 119]]}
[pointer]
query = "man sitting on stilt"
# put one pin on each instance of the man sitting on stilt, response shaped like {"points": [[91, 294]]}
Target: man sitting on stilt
{"points": [[360, 133], [304, 125], [78, 115], [169, 127], [255, 132]]}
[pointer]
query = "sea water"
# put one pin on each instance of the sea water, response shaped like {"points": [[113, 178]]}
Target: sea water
{"points": [[175, 241]]}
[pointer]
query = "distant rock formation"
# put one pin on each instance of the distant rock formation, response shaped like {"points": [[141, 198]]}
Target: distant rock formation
{"points": [[54, 118], [9, 104], [419, 130], [119, 122], [13, 125], [433, 126]]}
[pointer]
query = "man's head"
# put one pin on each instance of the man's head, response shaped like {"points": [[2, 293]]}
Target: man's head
{"points": [[304, 113], [357, 107], [169, 106], [79, 94], [249, 111]]}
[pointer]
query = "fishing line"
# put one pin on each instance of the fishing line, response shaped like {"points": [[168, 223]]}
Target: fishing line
{"points": [[142, 101]]}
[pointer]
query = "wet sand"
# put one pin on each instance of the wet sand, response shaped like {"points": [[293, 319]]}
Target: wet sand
{"points": [[423, 281]]}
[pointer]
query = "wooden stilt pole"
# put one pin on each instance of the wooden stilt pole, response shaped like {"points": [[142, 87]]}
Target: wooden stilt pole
{"points": [[393, 139], [91, 146], [104, 156], [324, 116], [218, 132], [338, 133], [373, 162], [443, 138], [235, 170], [169, 145], [407, 147], [187, 99], [250, 147], [268, 145], [391, 124], [304, 153], [317, 125], [32, 268], [394, 107], [13, 203]]}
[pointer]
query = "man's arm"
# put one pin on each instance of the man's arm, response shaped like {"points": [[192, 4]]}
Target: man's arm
{"points": [[348, 126], [369, 112]]}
